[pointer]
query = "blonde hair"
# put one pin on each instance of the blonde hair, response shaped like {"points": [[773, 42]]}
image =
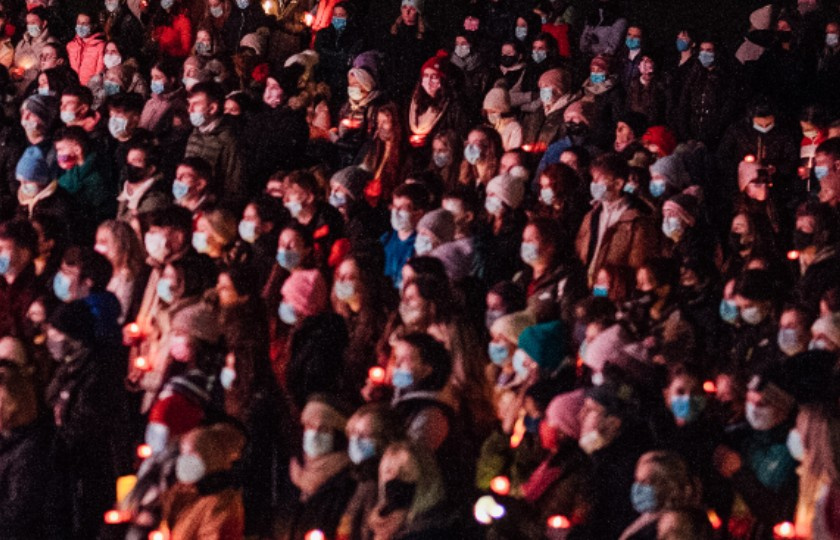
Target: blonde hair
{"points": [[420, 467], [669, 474], [821, 464]]}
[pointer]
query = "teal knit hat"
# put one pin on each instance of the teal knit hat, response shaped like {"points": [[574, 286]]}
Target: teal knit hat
{"points": [[545, 343]]}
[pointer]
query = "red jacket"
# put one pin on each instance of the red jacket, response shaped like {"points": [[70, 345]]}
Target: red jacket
{"points": [[175, 40], [86, 56]]}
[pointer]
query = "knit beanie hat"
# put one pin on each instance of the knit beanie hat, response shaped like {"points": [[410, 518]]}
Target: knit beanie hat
{"points": [[556, 78], [370, 62], [223, 223], [436, 63], [600, 61], [544, 343], [257, 40], [178, 413], [497, 99], [607, 348], [747, 172], [75, 321], [508, 188], [636, 121], [353, 179], [440, 223], [43, 107], [829, 326], [306, 292], [320, 411], [218, 445], [416, 4], [33, 166], [687, 207], [760, 19], [562, 413], [673, 169], [663, 138], [364, 77], [199, 321], [756, 285], [512, 325]]}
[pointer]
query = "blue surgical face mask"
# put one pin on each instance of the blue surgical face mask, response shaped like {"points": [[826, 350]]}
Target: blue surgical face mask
{"points": [[820, 171], [111, 6], [317, 443], [157, 435], [5, 263], [344, 290], [287, 313], [338, 199], [629, 188], [672, 227], [498, 353], [521, 32], [539, 56], [82, 30], [657, 188], [490, 317], [643, 497], [492, 204], [354, 93], [788, 341], [61, 287], [597, 190], [441, 159], [423, 244], [243, 4], [44, 91], [753, 315], [339, 23], [361, 449], [294, 208], [519, 363], [597, 78], [68, 117], [462, 51], [288, 259], [199, 242], [547, 196], [202, 48], [33, 30], [111, 88], [686, 407], [167, 4], [118, 126], [217, 11], [402, 378], [832, 39], [728, 311], [529, 252], [248, 230], [401, 220], [794, 445], [682, 45], [179, 190], [226, 377], [600, 291], [472, 153], [633, 43], [197, 119], [706, 58], [546, 95], [164, 290]]}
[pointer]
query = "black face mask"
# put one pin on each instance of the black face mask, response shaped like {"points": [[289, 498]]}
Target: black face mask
{"points": [[802, 240], [577, 129], [135, 174], [398, 496], [736, 242], [784, 36], [507, 61]]}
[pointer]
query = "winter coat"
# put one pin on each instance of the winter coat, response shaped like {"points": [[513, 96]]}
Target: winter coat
{"points": [[651, 100], [11, 148], [624, 248], [336, 51], [123, 27], [353, 524], [362, 118], [406, 50], [28, 53], [821, 275], [603, 32], [16, 299], [706, 105], [95, 200], [58, 206], [322, 509], [156, 197], [274, 140], [608, 101], [86, 56], [211, 509], [777, 148], [241, 22], [557, 291], [317, 345], [174, 40], [222, 151], [475, 82]]}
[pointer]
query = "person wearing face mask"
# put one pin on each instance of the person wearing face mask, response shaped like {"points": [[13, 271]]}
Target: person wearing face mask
{"points": [[323, 475], [785, 69], [827, 63], [122, 24], [117, 242], [143, 189], [18, 283], [663, 482], [667, 177], [682, 224], [337, 44], [815, 239], [435, 229], [629, 55], [370, 430], [216, 14], [38, 116], [603, 30], [825, 334], [555, 92], [165, 113], [647, 94], [410, 201], [407, 46], [706, 101], [244, 18], [632, 237], [28, 50], [215, 235], [755, 298], [756, 459], [793, 331], [434, 106], [86, 49], [83, 402], [614, 437], [207, 498], [260, 227], [39, 192], [170, 28], [361, 221], [468, 58], [81, 175], [358, 114], [607, 96], [504, 338], [318, 218], [497, 108]]}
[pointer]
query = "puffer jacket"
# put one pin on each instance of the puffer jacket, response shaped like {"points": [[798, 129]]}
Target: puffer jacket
{"points": [[86, 56]]}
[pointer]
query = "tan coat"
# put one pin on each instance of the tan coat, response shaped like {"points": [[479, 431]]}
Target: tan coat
{"points": [[216, 516], [625, 247]]}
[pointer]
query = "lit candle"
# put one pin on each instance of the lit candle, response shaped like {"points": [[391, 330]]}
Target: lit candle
{"points": [[308, 19], [376, 375], [784, 530], [500, 485], [417, 140]]}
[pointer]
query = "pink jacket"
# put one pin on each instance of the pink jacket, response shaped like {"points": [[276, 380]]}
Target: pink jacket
{"points": [[86, 56]]}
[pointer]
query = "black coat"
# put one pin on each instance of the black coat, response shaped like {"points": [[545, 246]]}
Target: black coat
{"points": [[317, 346], [706, 105], [241, 22], [324, 508], [336, 51], [275, 139]]}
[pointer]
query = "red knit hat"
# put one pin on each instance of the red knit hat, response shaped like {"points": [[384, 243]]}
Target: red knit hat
{"points": [[306, 292], [663, 138], [436, 63], [177, 413]]}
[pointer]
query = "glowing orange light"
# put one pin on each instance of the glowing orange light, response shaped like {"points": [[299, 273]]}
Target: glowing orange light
{"points": [[112, 517], [417, 140], [714, 519], [500, 485], [709, 387], [142, 364], [749, 158], [144, 451], [315, 534], [158, 535], [559, 522], [784, 530], [376, 375], [351, 123], [134, 329], [308, 19], [792, 255]]}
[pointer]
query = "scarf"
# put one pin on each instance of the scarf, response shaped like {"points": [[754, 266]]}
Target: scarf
{"points": [[564, 101], [30, 202], [315, 472], [597, 89], [470, 63], [423, 124], [133, 197]]}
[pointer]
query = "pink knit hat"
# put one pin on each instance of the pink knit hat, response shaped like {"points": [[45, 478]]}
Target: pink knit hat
{"points": [[306, 292], [562, 412], [607, 348]]}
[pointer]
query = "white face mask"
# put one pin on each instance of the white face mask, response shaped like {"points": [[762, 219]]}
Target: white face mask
{"points": [[156, 246], [760, 418], [189, 468], [317, 443], [794, 445], [591, 441], [157, 435]]}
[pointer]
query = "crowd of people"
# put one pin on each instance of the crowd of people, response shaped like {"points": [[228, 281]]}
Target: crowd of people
{"points": [[407, 269]]}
